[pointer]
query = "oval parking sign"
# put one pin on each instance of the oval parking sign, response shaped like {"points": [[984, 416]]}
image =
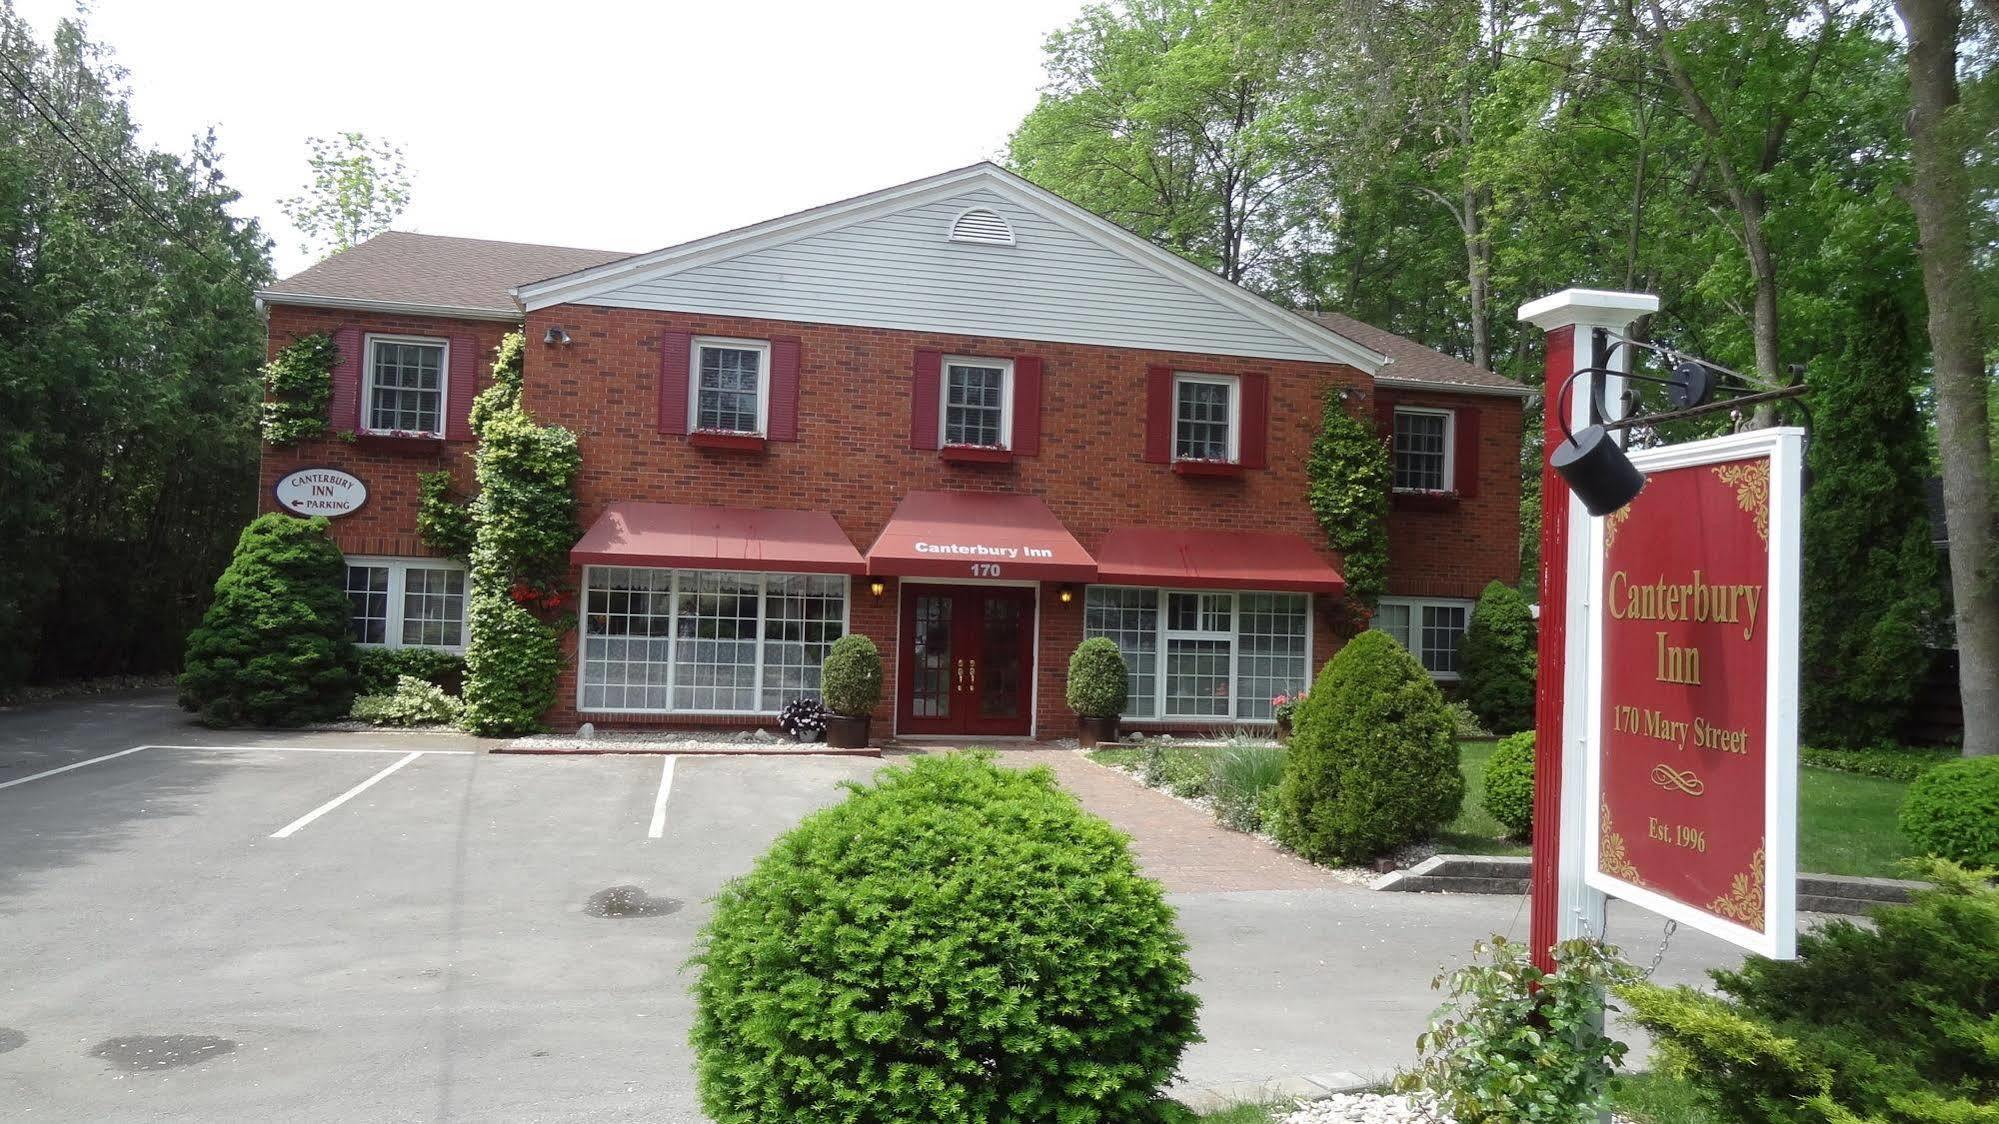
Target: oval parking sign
{"points": [[321, 491]]}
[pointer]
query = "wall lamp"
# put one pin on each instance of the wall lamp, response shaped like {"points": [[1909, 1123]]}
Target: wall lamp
{"points": [[877, 587], [1067, 593], [556, 336]]}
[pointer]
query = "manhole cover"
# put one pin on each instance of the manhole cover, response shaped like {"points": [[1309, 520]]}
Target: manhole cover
{"points": [[629, 901]]}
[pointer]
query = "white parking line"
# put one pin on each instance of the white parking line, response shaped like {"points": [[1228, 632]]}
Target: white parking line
{"points": [[313, 749], [659, 802], [71, 765], [344, 797]]}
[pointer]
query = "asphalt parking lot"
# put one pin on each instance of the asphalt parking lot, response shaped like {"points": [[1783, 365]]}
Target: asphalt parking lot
{"points": [[403, 927]]}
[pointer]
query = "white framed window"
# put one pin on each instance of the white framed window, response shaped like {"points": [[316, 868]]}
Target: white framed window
{"points": [[705, 641], [976, 403], [1422, 449], [407, 602], [1431, 628], [1205, 413], [404, 384], [730, 390], [1204, 655]]}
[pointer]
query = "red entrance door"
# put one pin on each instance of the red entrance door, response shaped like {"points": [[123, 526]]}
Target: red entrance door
{"points": [[967, 663]]}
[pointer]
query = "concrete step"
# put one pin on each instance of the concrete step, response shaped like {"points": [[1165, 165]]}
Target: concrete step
{"points": [[1508, 874]]}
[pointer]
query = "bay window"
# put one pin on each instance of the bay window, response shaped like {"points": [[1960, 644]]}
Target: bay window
{"points": [[705, 641], [1204, 655]]}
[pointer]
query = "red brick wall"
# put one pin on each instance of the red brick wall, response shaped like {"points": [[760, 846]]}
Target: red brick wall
{"points": [[1454, 552]]}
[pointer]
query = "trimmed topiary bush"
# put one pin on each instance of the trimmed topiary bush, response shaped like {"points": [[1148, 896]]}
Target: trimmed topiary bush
{"points": [[274, 647], [1497, 660], [381, 667], [850, 681], [1372, 764], [1509, 784], [956, 943], [1097, 686], [1952, 811]]}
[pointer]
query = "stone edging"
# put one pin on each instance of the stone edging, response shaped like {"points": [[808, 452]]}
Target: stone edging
{"points": [[1214, 1098], [1507, 874]]}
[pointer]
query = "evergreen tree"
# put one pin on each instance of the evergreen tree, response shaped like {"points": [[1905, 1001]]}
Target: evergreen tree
{"points": [[1870, 570], [1497, 660]]}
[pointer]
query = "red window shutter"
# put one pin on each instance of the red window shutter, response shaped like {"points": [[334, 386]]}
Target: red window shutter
{"points": [[783, 389], [1253, 447], [1159, 414], [343, 410], [927, 381], [1027, 405], [1384, 415], [1464, 469], [673, 386], [459, 388]]}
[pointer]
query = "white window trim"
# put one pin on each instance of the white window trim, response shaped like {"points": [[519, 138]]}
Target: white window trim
{"points": [[368, 385], [1234, 385], [392, 628], [673, 640], [944, 398], [762, 347], [1416, 606], [1163, 634], [1450, 446]]}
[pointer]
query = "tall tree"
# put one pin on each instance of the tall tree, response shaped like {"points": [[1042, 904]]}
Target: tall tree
{"points": [[357, 188], [1940, 193]]}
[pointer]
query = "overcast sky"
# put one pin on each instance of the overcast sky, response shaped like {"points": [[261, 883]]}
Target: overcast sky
{"points": [[615, 126]]}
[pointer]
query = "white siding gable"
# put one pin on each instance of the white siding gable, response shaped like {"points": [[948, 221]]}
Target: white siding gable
{"points": [[902, 270]]}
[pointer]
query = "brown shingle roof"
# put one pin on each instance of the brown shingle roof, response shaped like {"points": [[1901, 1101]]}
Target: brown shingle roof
{"points": [[1414, 363], [434, 272]]}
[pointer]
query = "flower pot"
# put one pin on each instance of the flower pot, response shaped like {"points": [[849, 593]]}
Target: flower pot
{"points": [[843, 732], [1283, 729], [1097, 731]]}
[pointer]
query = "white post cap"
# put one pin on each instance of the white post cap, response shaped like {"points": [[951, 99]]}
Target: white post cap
{"points": [[1598, 308]]}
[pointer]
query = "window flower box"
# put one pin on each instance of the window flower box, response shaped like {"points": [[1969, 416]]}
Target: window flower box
{"points": [[1410, 499], [975, 454], [1206, 468], [726, 442], [399, 440]]}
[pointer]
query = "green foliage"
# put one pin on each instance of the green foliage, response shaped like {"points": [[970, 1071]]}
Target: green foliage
{"points": [[953, 943], [1240, 779], [1870, 576], [1372, 764], [442, 522], [414, 702], [1890, 1021], [1497, 660], [1097, 686], [850, 680], [1514, 1045], [1182, 772], [1509, 784], [129, 366], [1465, 725], [1952, 811], [380, 668], [298, 384], [523, 521], [274, 647], [357, 188], [1889, 762], [1347, 484]]}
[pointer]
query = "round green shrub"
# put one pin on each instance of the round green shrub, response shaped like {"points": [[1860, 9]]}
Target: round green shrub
{"points": [[274, 649], [1097, 685], [1952, 811], [1497, 660], [1509, 784], [850, 681], [956, 943], [413, 702], [1372, 765]]}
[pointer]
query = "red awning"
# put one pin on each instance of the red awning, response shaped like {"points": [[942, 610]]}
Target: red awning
{"points": [[717, 538], [974, 535], [1215, 560]]}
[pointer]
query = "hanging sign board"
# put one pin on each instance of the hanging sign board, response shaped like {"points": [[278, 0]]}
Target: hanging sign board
{"points": [[1692, 749], [321, 491]]}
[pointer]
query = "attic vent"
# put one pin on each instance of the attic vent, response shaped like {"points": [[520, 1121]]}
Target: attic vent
{"points": [[982, 225]]}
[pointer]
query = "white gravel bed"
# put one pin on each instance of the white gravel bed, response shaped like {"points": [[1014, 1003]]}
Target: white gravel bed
{"points": [[1370, 1108]]}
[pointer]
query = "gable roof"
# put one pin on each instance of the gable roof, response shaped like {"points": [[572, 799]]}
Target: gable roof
{"points": [[1301, 337], [1413, 365], [428, 274]]}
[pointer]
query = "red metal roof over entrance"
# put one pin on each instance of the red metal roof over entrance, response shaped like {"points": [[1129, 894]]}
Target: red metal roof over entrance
{"points": [[978, 535], [1214, 560], [685, 536]]}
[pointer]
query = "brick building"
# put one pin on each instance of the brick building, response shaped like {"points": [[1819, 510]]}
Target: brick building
{"points": [[961, 416]]}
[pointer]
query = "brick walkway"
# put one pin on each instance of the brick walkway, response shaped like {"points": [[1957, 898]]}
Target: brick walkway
{"points": [[1182, 846]]}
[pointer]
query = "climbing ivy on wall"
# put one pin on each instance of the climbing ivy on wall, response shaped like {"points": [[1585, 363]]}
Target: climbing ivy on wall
{"points": [[442, 522], [1347, 484], [298, 385], [523, 522]]}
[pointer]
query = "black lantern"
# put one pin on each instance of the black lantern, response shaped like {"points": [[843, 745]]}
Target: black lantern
{"points": [[1596, 470]]}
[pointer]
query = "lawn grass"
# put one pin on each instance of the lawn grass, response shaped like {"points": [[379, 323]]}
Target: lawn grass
{"points": [[1475, 832], [1240, 1114], [1651, 1098]]}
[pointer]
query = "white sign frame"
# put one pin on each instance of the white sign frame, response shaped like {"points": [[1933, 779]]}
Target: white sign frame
{"points": [[1785, 449], [352, 484]]}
